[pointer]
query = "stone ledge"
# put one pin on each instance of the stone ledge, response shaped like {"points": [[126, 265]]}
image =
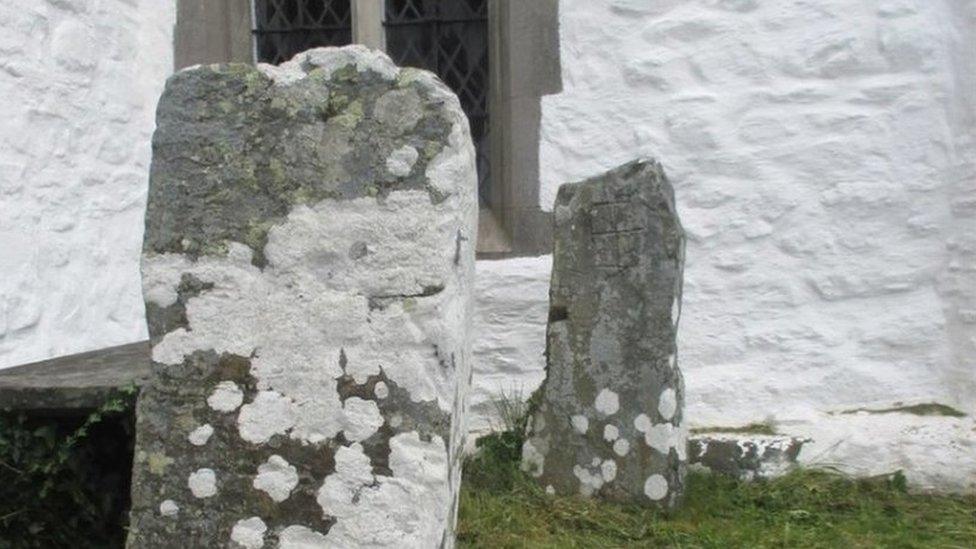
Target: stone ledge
{"points": [[73, 382], [745, 456]]}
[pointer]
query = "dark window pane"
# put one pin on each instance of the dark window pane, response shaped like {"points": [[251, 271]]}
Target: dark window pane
{"points": [[449, 38], [286, 27]]}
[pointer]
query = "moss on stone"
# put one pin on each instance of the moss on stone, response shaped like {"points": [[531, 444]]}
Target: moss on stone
{"points": [[351, 115], [750, 429], [347, 73], [407, 76], [925, 409], [158, 462], [213, 248]]}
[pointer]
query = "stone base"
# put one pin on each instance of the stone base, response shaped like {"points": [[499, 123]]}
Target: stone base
{"points": [[744, 456]]}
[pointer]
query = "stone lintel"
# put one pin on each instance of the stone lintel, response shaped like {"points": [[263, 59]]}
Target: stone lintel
{"points": [[74, 382]]}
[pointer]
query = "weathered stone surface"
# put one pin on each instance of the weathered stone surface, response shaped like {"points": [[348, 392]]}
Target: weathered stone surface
{"points": [[745, 456], [608, 419], [307, 266]]}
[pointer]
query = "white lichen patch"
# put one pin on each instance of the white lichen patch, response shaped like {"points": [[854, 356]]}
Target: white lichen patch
{"points": [[408, 509], [401, 161], [249, 533], [398, 263], [363, 58], [656, 487], [590, 480], [642, 423], [297, 536], [609, 470], [607, 402], [286, 315], [277, 478], [398, 110], [201, 435], [659, 437], [381, 390], [161, 289], [362, 419], [550, 490], [267, 415], [610, 433], [580, 424], [455, 165], [203, 483], [328, 61], [667, 404], [664, 436], [169, 508], [226, 397], [621, 446]]}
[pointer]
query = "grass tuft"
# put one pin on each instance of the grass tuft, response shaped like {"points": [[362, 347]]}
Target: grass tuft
{"points": [[494, 468], [806, 508]]}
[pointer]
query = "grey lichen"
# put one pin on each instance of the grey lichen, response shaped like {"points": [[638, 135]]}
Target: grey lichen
{"points": [[260, 148]]}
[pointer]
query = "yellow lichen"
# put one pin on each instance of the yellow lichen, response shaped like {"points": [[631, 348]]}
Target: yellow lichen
{"points": [[158, 463]]}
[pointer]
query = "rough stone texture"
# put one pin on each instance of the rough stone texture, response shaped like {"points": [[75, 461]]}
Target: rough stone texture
{"points": [[79, 82], [744, 456], [308, 307], [608, 419]]}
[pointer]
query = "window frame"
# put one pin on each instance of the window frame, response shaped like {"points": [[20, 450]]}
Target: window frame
{"points": [[523, 43]]}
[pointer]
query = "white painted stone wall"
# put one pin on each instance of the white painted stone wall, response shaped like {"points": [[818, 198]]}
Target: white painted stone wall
{"points": [[823, 155], [512, 305], [79, 80], [822, 152]]}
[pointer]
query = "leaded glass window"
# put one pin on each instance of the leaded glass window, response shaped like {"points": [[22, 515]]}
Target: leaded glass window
{"points": [[284, 28], [450, 39]]}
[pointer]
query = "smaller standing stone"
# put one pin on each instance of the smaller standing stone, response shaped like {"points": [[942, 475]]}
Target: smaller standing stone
{"points": [[608, 421]]}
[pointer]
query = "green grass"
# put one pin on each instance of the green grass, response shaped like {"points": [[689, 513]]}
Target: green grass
{"points": [[501, 508]]}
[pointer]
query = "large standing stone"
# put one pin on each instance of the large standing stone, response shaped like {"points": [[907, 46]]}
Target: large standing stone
{"points": [[307, 269], [608, 418]]}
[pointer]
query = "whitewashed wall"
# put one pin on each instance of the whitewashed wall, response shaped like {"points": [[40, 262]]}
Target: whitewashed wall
{"points": [[823, 156], [79, 81], [822, 152]]}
